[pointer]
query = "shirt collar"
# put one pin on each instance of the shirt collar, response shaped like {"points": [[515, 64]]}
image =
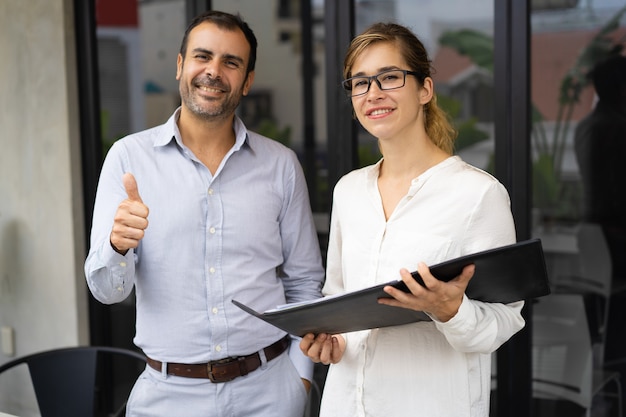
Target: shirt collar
{"points": [[171, 132], [373, 171], [241, 134]]}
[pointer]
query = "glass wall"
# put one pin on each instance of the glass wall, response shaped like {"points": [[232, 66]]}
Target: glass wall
{"points": [[579, 204], [137, 63], [287, 99], [137, 50]]}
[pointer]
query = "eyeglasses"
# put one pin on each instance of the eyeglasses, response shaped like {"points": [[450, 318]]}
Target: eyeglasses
{"points": [[386, 80]]}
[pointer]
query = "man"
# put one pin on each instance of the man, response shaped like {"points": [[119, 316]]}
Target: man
{"points": [[195, 213], [600, 145]]}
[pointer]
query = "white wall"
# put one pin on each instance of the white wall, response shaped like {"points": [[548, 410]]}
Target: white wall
{"points": [[43, 295]]}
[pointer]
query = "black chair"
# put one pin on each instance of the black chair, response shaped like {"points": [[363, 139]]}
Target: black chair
{"points": [[563, 358], [82, 381]]}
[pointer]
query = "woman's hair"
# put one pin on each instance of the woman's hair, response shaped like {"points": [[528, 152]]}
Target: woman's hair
{"points": [[225, 21], [437, 123]]}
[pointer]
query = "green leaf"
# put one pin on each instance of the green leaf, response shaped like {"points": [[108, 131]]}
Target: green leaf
{"points": [[471, 43]]}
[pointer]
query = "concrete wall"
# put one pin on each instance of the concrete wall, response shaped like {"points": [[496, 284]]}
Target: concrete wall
{"points": [[43, 296]]}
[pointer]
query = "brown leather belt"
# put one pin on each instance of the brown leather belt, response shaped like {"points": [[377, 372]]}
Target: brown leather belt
{"points": [[224, 370]]}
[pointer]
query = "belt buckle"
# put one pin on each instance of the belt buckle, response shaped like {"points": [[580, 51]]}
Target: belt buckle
{"points": [[213, 370], [209, 368]]}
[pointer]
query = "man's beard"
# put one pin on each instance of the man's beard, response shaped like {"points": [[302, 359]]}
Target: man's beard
{"points": [[211, 109]]}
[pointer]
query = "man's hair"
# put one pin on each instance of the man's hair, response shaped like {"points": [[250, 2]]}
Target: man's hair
{"points": [[224, 21], [609, 79]]}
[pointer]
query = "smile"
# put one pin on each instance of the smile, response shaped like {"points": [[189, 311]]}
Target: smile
{"points": [[379, 112], [209, 89]]}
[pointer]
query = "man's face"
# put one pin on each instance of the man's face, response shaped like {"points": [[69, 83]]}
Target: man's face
{"points": [[212, 75]]}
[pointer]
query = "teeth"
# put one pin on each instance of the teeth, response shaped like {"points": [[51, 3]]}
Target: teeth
{"points": [[380, 111], [209, 89]]}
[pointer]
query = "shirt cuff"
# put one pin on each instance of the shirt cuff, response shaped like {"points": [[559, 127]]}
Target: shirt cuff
{"points": [[461, 320], [303, 364]]}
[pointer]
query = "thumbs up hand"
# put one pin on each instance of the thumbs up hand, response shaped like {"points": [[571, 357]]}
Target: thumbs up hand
{"points": [[131, 218]]}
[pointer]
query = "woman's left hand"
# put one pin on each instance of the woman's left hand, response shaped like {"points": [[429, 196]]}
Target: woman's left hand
{"points": [[439, 299]]}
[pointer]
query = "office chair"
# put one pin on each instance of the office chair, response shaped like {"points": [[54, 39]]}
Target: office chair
{"points": [[78, 381], [593, 280], [563, 357]]}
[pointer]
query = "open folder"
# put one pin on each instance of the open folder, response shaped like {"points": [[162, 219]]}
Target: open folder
{"points": [[503, 275]]}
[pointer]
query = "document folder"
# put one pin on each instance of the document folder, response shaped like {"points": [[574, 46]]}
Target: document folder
{"points": [[503, 275]]}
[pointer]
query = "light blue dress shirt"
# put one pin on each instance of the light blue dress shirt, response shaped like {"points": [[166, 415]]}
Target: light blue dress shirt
{"points": [[245, 233]]}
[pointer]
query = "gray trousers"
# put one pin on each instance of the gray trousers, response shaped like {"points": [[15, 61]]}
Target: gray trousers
{"points": [[273, 390]]}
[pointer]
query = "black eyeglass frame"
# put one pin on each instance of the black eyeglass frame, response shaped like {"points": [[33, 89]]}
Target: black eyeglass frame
{"points": [[346, 84]]}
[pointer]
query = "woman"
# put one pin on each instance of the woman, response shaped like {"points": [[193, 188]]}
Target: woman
{"points": [[419, 205]]}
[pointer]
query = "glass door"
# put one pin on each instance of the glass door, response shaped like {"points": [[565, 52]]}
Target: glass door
{"points": [[578, 95]]}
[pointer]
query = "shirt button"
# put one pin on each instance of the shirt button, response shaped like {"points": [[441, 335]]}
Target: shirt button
{"points": [[123, 264], [210, 191], [218, 348], [120, 289], [212, 270], [212, 230], [214, 310]]}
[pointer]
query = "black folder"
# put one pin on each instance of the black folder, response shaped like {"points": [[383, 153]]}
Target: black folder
{"points": [[503, 275]]}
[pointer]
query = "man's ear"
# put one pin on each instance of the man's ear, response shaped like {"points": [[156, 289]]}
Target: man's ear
{"points": [[179, 66], [248, 83]]}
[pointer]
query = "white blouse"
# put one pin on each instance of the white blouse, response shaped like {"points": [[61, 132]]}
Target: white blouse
{"points": [[424, 369]]}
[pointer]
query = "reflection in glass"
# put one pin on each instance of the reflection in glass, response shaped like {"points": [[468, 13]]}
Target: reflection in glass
{"points": [[570, 42], [279, 96]]}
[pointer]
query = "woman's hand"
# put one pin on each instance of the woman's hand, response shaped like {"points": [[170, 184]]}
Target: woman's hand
{"points": [[439, 299], [324, 348]]}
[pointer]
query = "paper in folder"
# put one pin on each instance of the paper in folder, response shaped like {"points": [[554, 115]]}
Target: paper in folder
{"points": [[503, 275]]}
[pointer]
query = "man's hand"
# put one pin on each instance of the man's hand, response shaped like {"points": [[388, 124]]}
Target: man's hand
{"points": [[324, 348], [440, 299], [131, 218]]}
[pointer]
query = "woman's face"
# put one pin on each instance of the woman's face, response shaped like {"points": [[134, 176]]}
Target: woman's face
{"points": [[389, 113]]}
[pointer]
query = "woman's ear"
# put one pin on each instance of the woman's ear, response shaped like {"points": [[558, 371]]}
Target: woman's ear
{"points": [[426, 91]]}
